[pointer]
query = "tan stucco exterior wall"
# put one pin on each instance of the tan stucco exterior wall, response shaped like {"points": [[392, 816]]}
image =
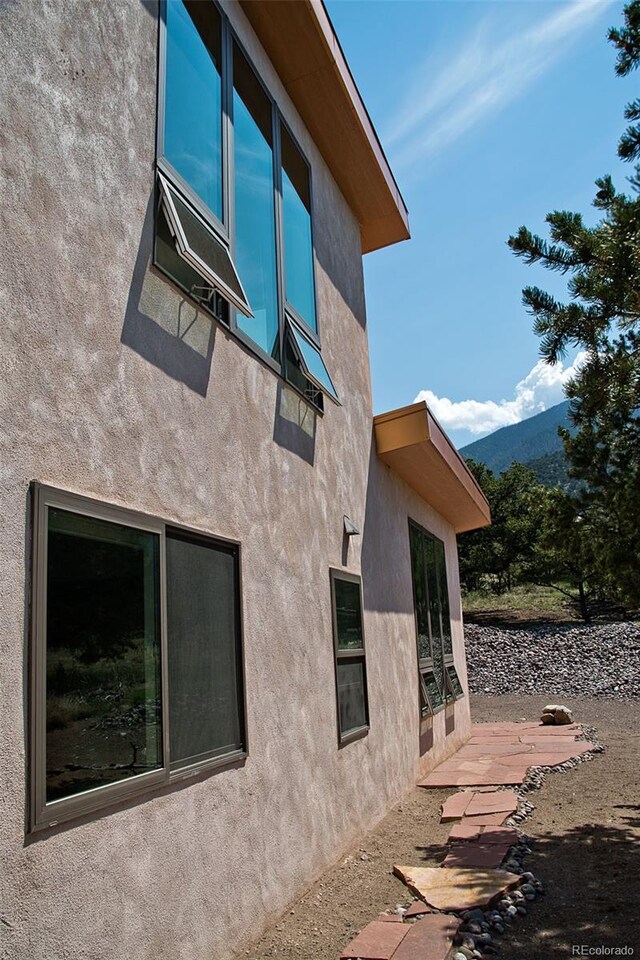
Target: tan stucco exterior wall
{"points": [[110, 390]]}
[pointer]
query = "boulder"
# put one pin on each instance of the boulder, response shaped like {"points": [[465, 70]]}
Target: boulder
{"points": [[556, 713]]}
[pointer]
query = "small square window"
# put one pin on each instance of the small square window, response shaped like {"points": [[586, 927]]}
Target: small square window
{"points": [[453, 681], [431, 695]]}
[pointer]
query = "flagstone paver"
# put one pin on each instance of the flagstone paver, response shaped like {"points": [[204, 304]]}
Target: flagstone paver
{"points": [[496, 755], [501, 754], [487, 819], [428, 939], [499, 835], [502, 801], [378, 941], [456, 888], [455, 807], [476, 854], [498, 776], [464, 831], [417, 908]]}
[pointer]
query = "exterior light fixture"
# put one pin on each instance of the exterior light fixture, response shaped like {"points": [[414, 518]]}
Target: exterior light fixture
{"points": [[350, 528]]}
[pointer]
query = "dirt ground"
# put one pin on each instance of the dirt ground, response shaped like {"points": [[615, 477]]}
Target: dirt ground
{"points": [[586, 827]]}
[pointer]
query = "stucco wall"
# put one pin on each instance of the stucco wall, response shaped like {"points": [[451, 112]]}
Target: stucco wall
{"points": [[111, 391]]}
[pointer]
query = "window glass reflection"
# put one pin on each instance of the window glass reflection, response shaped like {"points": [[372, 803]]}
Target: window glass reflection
{"points": [[298, 247], [193, 98], [348, 615], [103, 704], [351, 695], [255, 245]]}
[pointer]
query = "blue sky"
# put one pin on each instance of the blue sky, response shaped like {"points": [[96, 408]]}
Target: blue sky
{"points": [[492, 114]]}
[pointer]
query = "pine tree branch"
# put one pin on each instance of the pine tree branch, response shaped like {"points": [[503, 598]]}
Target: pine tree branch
{"points": [[627, 40]]}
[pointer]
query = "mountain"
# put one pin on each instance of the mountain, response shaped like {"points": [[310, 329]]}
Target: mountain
{"points": [[534, 442]]}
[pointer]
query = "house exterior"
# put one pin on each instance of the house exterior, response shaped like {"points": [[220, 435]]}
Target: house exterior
{"points": [[230, 625]]}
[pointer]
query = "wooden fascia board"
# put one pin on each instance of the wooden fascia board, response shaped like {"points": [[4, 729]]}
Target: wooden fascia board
{"points": [[413, 444]]}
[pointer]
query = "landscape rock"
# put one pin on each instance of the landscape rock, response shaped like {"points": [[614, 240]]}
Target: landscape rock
{"points": [[563, 660], [556, 714]]}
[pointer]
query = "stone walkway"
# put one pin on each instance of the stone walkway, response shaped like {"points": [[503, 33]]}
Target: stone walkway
{"points": [[472, 875], [501, 753]]}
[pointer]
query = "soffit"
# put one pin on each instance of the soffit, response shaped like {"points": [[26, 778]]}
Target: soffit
{"points": [[411, 441]]}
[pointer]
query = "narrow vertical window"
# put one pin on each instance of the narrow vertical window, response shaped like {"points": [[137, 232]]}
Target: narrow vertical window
{"points": [[351, 673], [431, 571], [443, 591], [420, 600], [205, 672], [255, 227], [439, 681], [193, 98], [298, 244], [103, 695]]}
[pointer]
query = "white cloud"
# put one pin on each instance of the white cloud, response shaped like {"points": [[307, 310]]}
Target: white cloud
{"points": [[485, 75], [542, 387]]}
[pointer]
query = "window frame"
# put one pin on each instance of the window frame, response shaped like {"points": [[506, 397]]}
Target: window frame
{"points": [[221, 227], [426, 664], [356, 653], [43, 815], [288, 307], [225, 230]]}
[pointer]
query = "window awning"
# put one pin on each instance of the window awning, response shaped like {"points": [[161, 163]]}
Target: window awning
{"points": [[311, 362], [198, 245], [411, 441]]}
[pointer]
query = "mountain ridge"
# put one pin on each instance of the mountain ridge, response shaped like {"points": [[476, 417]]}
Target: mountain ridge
{"points": [[533, 442]]}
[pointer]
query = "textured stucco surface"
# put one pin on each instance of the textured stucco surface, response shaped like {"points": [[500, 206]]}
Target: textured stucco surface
{"points": [[114, 388]]}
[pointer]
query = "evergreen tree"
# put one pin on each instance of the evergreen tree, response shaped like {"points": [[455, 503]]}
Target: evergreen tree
{"points": [[495, 555], [602, 316]]}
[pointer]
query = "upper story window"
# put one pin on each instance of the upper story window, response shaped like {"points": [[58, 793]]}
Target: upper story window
{"points": [[255, 219], [234, 223], [298, 243], [193, 98]]}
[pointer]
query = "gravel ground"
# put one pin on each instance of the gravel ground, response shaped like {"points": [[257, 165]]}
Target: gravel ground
{"points": [[586, 830], [585, 824], [586, 844], [555, 660]]}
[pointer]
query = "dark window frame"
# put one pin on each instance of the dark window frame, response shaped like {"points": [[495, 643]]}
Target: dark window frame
{"points": [[43, 815], [426, 665], [225, 230], [349, 655]]}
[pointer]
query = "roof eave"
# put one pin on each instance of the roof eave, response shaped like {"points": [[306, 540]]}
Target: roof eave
{"points": [[413, 444], [300, 41]]}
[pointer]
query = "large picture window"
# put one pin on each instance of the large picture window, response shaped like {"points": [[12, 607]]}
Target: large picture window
{"points": [[234, 211], [125, 697], [350, 658], [439, 681]]}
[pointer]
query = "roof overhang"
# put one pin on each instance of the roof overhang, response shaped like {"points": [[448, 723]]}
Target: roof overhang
{"points": [[300, 41], [412, 442]]}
